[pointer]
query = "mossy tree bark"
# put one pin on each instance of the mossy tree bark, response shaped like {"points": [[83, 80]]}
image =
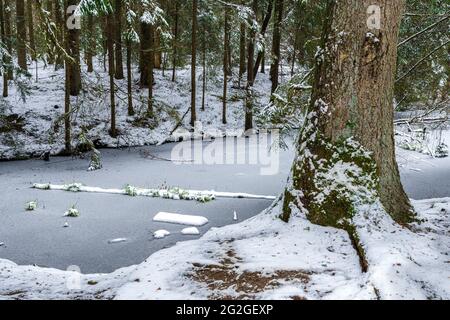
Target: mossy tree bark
{"points": [[350, 120]]}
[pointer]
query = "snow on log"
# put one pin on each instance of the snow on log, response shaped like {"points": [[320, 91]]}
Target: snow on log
{"points": [[173, 193]]}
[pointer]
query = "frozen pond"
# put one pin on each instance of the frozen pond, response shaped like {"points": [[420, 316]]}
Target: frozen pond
{"points": [[39, 237]]}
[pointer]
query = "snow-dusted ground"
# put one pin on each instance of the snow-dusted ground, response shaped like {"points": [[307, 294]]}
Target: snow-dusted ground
{"points": [[37, 129], [264, 258]]}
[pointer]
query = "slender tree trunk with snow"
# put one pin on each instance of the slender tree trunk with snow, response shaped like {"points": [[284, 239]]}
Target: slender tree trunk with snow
{"points": [[175, 41], [74, 46], [60, 27], [91, 44], [30, 20], [250, 75], [129, 79], [242, 53], [226, 44], [111, 71], [118, 39], [275, 66], [8, 34], [193, 63], [151, 64], [21, 35], [3, 39], [204, 71], [350, 124]]}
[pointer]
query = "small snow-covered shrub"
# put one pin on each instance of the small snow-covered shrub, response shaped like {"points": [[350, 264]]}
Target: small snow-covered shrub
{"points": [[131, 191], [31, 206], [72, 212], [441, 151], [96, 161]]}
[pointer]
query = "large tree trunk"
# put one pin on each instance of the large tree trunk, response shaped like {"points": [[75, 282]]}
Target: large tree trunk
{"points": [[21, 35], [193, 63], [118, 39], [275, 66], [351, 112]]}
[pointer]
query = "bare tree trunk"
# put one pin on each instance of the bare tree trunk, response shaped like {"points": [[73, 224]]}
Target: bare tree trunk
{"points": [[91, 44], [158, 51], [204, 71], [150, 110], [193, 62], [263, 60], [129, 80], [118, 39], [175, 41], [226, 45], [74, 46], [264, 26], [242, 53], [250, 75], [5, 59], [31, 29], [354, 82], [67, 107], [21, 35], [59, 19], [8, 35], [146, 48], [111, 67], [275, 66]]}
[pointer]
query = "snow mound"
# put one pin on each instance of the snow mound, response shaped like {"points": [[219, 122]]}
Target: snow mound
{"points": [[176, 218], [190, 231], [160, 234]]}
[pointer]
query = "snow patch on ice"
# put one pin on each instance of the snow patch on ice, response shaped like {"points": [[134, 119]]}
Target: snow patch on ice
{"points": [[180, 219]]}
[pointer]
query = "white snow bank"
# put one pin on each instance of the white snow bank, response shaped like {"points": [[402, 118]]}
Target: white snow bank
{"points": [[180, 219], [408, 264], [160, 234], [190, 231]]}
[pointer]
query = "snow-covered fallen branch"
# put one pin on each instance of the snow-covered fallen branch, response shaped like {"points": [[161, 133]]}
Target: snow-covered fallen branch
{"points": [[172, 193]]}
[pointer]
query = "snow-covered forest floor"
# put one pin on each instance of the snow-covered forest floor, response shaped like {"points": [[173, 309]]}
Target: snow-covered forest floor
{"points": [[31, 127], [263, 258]]}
